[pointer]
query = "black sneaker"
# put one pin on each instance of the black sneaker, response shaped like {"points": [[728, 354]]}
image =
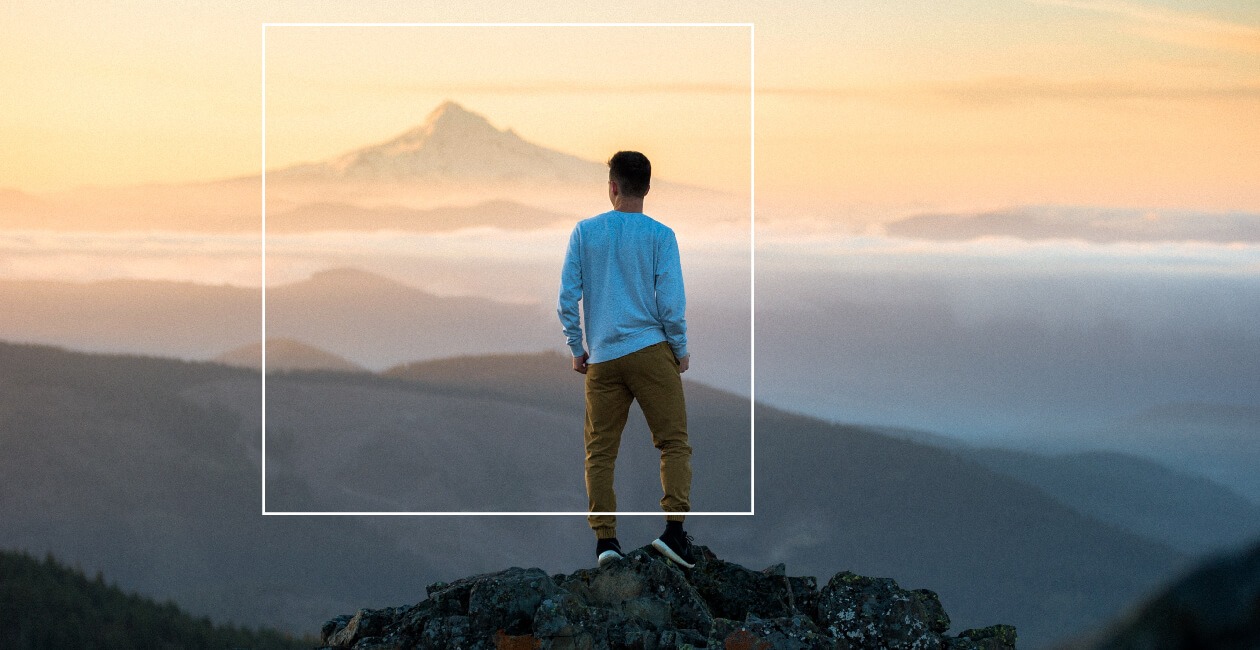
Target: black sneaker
{"points": [[607, 550], [676, 546]]}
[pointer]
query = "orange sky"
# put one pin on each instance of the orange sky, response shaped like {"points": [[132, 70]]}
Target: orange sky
{"points": [[862, 107]]}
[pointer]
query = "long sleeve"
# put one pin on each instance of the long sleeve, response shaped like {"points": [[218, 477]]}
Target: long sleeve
{"points": [[571, 293], [671, 299]]}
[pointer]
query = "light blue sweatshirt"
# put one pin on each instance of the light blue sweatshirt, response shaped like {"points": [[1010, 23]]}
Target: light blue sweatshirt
{"points": [[625, 270]]}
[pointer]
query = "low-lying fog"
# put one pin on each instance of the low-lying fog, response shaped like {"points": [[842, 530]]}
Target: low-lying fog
{"points": [[989, 339]]}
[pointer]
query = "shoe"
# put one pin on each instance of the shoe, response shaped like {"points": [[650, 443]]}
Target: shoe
{"points": [[676, 547], [607, 550]]}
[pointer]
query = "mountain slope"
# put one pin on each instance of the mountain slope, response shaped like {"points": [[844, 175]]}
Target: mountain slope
{"points": [[1189, 513], [46, 605], [286, 354], [366, 318]]}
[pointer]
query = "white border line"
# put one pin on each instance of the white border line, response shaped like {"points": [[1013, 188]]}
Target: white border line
{"points": [[752, 218], [752, 270], [263, 341], [549, 513]]}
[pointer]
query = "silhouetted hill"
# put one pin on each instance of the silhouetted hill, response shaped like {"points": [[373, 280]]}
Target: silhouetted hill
{"points": [[177, 319], [377, 321], [1185, 511], [149, 469], [1189, 513], [1219, 441], [366, 318], [48, 606], [287, 354]]}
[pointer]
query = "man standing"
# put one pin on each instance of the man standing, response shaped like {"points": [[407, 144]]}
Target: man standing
{"points": [[624, 268]]}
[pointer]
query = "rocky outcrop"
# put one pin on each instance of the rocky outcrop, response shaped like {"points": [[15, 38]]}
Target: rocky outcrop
{"points": [[647, 603]]}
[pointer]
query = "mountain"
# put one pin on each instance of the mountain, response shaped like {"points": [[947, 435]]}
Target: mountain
{"points": [[1104, 225], [368, 319], [176, 319], [452, 169], [452, 146], [378, 322], [150, 470], [1181, 509], [1219, 441], [1187, 512], [286, 354]]}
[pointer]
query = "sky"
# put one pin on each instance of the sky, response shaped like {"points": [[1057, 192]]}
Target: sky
{"points": [[862, 108]]}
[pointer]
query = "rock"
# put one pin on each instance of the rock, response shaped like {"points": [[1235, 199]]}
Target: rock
{"points": [[507, 601], [643, 587], [345, 632], [875, 613], [789, 633], [644, 602], [735, 592], [994, 637]]}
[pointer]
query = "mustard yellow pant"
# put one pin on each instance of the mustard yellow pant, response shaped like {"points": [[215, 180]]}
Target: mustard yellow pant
{"points": [[650, 376]]}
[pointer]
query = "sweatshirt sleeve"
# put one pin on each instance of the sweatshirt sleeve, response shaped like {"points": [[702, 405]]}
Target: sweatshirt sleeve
{"points": [[671, 300], [571, 293]]}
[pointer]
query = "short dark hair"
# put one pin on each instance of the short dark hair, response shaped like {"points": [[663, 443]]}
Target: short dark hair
{"points": [[631, 171]]}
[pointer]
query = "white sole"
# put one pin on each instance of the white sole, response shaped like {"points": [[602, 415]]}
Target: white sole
{"points": [[606, 557], [664, 549]]}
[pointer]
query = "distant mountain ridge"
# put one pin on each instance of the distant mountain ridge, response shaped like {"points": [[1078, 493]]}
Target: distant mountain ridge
{"points": [[1099, 225], [367, 318]]}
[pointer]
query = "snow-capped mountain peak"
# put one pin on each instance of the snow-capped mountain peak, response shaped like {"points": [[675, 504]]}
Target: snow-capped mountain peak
{"points": [[452, 145]]}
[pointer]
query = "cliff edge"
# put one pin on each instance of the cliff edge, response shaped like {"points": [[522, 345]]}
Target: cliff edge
{"points": [[646, 602]]}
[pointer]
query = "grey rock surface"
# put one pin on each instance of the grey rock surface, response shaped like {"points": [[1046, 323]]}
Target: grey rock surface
{"points": [[645, 602]]}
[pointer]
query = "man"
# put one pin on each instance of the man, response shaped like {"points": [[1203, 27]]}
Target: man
{"points": [[623, 267]]}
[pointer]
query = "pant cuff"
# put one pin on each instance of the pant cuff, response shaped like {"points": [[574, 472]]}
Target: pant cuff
{"points": [[674, 517], [604, 532]]}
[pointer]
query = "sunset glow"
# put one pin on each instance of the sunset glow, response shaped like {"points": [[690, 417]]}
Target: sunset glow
{"points": [[863, 110]]}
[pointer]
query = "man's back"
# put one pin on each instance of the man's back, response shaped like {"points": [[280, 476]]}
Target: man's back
{"points": [[625, 268]]}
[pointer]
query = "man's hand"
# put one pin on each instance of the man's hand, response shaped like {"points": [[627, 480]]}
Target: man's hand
{"points": [[579, 363], [683, 364]]}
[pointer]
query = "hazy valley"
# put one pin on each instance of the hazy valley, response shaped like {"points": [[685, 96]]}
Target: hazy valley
{"points": [[150, 469]]}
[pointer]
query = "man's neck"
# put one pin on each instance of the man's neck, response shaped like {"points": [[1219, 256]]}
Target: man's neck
{"points": [[628, 204]]}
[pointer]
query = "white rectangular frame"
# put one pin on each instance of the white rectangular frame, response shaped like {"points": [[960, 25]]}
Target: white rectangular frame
{"points": [[752, 240]]}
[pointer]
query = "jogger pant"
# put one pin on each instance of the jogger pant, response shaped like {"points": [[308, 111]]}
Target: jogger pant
{"points": [[651, 376]]}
